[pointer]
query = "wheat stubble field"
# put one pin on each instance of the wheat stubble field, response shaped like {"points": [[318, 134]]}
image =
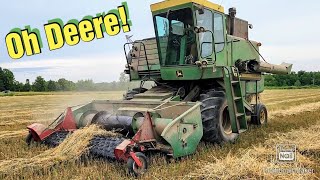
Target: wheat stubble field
{"points": [[294, 118]]}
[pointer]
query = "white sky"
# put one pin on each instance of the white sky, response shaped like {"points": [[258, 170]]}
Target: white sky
{"points": [[287, 29]]}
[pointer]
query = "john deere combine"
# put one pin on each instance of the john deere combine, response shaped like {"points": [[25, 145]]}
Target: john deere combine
{"points": [[208, 77]]}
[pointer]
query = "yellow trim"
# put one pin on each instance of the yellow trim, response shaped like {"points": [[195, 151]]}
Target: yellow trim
{"points": [[170, 3]]}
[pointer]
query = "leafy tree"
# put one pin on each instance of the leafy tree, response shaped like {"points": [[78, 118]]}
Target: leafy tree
{"points": [[39, 85], [51, 86], [8, 79], [297, 83], [123, 82], [302, 77], [27, 86], [85, 85], [269, 80], [66, 85], [2, 87], [62, 84], [123, 78], [18, 86], [317, 79], [306, 79]]}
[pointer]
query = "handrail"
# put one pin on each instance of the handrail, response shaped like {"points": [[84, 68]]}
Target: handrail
{"points": [[145, 54]]}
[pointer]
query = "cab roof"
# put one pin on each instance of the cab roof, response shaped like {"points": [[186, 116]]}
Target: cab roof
{"points": [[171, 3]]}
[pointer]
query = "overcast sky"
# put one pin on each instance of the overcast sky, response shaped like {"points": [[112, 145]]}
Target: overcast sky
{"points": [[288, 30]]}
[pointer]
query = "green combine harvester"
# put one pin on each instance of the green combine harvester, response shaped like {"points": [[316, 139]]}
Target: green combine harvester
{"points": [[208, 76]]}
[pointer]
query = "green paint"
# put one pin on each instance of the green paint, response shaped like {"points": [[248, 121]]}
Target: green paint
{"points": [[251, 86], [73, 21], [183, 50], [37, 32], [185, 132], [88, 18], [116, 12], [28, 28], [217, 69], [56, 20]]}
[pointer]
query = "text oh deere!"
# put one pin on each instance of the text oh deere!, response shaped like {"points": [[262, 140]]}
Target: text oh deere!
{"points": [[29, 42]]}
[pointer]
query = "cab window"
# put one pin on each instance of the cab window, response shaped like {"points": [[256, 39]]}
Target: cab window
{"points": [[205, 20], [218, 32]]}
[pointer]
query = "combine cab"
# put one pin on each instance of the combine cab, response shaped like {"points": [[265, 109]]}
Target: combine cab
{"points": [[206, 72]]}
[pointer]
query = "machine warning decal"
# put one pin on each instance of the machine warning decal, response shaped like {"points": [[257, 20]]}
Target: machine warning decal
{"points": [[179, 73]]}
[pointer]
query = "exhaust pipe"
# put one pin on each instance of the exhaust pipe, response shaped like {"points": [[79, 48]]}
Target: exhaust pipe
{"points": [[232, 23]]}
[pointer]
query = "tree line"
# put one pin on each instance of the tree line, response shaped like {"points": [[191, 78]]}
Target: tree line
{"points": [[298, 79], [8, 83]]}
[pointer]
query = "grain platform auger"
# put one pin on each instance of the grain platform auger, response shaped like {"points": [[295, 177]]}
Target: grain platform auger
{"points": [[206, 71]]}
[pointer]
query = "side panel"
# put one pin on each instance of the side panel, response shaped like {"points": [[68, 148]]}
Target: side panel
{"points": [[252, 85], [242, 49], [185, 132], [190, 73]]}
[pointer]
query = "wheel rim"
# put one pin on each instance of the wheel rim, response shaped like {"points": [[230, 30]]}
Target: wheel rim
{"points": [[263, 118], [137, 169], [226, 122]]}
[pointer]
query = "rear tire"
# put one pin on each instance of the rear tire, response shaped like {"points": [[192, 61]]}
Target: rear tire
{"points": [[261, 116], [215, 118]]}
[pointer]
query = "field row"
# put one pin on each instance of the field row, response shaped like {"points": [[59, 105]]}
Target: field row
{"points": [[258, 162], [294, 116]]}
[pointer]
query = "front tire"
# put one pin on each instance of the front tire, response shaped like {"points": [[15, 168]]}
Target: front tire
{"points": [[215, 118], [130, 94], [134, 169], [29, 139]]}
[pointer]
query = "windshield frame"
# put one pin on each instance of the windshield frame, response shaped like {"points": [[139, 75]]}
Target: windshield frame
{"points": [[161, 13]]}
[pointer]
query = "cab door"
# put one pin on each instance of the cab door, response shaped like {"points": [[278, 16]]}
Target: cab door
{"points": [[204, 19]]}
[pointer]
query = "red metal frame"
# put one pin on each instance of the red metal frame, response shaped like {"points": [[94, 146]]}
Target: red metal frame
{"points": [[125, 150], [40, 132], [136, 159], [122, 152], [145, 132]]}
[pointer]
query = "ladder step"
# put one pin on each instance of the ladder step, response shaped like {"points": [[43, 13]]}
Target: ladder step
{"points": [[240, 114], [237, 98], [234, 82], [242, 131]]}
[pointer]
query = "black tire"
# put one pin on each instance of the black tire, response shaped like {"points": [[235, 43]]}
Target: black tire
{"points": [[29, 139], [215, 118], [56, 138], [261, 116], [134, 169], [130, 94]]}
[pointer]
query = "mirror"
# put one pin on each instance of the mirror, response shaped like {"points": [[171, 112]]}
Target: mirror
{"points": [[200, 9], [177, 28], [207, 43]]}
